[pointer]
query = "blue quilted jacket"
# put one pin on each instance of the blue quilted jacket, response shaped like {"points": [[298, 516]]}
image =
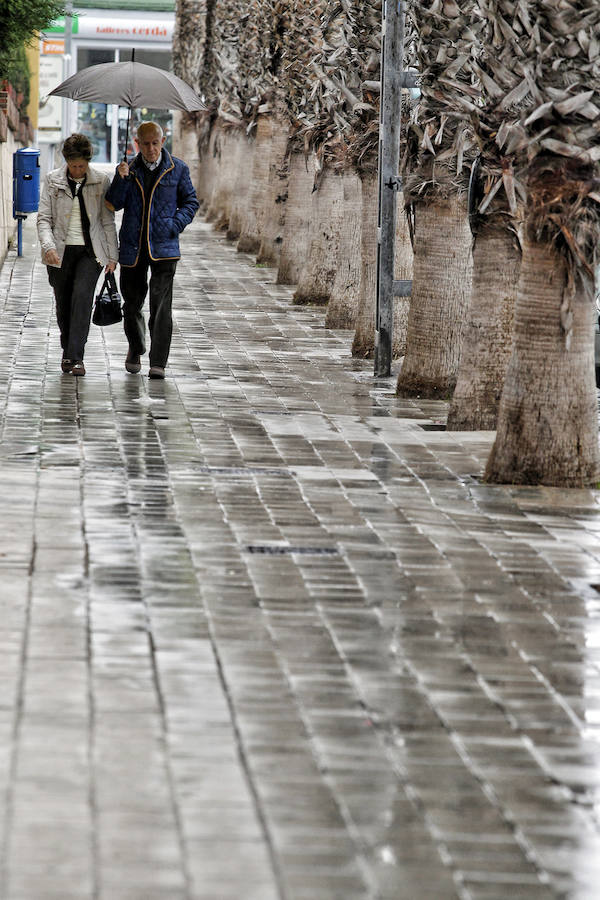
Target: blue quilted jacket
{"points": [[173, 205]]}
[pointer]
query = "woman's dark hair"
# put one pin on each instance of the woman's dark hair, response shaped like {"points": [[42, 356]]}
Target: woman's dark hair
{"points": [[77, 146]]}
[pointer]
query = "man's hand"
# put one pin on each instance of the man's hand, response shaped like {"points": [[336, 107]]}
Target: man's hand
{"points": [[52, 258], [123, 169], [111, 267]]}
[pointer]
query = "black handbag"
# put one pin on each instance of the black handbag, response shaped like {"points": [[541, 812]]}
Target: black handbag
{"points": [[107, 308]]}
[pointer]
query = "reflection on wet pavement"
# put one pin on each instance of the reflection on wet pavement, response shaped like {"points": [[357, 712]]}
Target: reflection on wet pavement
{"points": [[265, 633]]}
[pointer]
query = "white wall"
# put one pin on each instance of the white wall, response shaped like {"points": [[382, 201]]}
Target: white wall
{"points": [[7, 223]]}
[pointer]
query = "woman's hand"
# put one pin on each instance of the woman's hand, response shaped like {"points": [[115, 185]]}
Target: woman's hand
{"points": [[52, 258], [111, 267]]}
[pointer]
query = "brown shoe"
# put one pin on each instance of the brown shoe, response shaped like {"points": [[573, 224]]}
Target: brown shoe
{"points": [[132, 363], [78, 368], [66, 364], [156, 372]]}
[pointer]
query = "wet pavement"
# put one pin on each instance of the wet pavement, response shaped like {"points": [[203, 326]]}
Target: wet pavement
{"points": [[266, 636]]}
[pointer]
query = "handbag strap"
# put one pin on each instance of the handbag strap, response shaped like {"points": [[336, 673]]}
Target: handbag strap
{"points": [[105, 286], [111, 281]]}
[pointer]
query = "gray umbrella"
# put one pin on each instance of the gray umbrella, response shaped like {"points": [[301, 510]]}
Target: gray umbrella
{"points": [[131, 84]]}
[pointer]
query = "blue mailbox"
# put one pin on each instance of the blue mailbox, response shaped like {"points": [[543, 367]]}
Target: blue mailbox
{"points": [[26, 188], [26, 181]]}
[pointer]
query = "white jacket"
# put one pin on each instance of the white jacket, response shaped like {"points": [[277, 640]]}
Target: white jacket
{"points": [[56, 203]]}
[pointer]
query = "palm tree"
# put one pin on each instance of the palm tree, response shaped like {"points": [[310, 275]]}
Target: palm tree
{"points": [[439, 151], [190, 41], [301, 43], [261, 25], [205, 50], [238, 76], [322, 92], [547, 422], [189, 53], [499, 67]]}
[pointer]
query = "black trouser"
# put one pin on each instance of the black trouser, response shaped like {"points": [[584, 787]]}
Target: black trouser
{"points": [[134, 287], [73, 286]]}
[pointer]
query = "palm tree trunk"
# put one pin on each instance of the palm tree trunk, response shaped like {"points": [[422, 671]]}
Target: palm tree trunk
{"points": [[207, 170], [327, 222], [185, 142], [249, 240], [242, 156], [277, 194], [219, 208], [296, 231], [219, 155], [403, 271], [342, 310], [548, 419], [489, 331], [440, 296], [363, 345]]}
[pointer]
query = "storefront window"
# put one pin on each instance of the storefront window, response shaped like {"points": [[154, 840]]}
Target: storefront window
{"points": [[93, 119]]}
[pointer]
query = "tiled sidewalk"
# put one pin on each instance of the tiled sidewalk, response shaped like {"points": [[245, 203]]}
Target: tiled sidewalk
{"points": [[266, 636]]}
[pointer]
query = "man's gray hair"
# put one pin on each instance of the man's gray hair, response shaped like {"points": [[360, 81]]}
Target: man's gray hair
{"points": [[144, 127]]}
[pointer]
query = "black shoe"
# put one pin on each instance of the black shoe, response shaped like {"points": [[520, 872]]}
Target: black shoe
{"points": [[156, 372], [132, 363]]}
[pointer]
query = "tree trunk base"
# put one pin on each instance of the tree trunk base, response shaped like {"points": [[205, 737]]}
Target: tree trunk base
{"points": [[310, 299], [517, 473], [275, 201], [480, 420], [268, 254], [342, 311], [489, 331], [548, 417], [322, 259], [362, 348], [248, 244], [241, 163], [440, 297], [253, 217], [423, 389], [296, 229], [339, 318]]}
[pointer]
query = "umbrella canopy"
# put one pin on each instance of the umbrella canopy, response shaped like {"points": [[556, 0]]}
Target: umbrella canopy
{"points": [[131, 84]]}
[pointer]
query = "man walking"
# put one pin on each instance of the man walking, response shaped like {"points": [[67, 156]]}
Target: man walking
{"points": [[158, 200]]}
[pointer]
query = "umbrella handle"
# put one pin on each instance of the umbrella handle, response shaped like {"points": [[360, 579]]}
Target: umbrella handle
{"points": [[128, 114], [127, 136]]}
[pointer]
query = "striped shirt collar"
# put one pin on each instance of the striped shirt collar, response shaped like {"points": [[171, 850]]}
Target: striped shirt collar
{"points": [[154, 165]]}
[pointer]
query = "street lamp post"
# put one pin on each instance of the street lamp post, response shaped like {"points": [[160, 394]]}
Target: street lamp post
{"points": [[393, 79], [66, 106]]}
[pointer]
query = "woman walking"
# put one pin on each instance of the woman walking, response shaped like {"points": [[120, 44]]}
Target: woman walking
{"points": [[78, 236]]}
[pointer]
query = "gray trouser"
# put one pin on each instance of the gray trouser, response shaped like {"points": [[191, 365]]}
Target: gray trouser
{"points": [[134, 287], [73, 286]]}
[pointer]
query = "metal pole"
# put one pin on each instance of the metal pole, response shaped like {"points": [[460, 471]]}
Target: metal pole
{"points": [[66, 104], [389, 180], [20, 236], [128, 115]]}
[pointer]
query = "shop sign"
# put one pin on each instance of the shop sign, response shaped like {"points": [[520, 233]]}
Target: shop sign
{"points": [[53, 46], [58, 26], [130, 29], [50, 111]]}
